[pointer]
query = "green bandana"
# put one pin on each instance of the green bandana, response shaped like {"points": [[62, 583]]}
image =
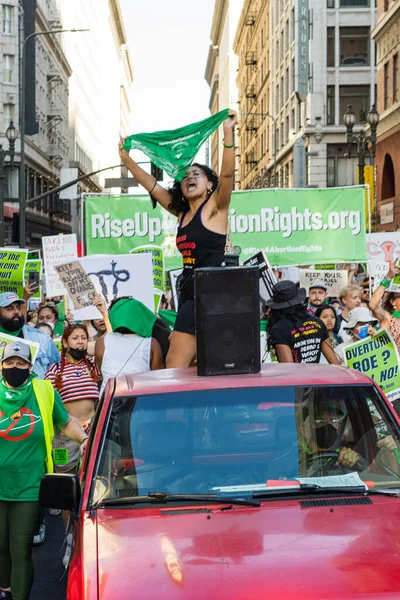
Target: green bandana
{"points": [[16, 333], [396, 313], [174, 151], [134, 316], [12, 399]]}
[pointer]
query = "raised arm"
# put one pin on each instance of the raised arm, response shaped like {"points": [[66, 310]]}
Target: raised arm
{"points": [[382, 287], [227, 175], [149, 182]]}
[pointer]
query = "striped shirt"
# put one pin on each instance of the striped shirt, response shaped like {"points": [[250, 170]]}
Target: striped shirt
{"points": [[77, 384]]}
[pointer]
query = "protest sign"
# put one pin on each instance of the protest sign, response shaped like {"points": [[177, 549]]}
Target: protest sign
{"points": [[383, 251], [77, 283], [174, 277], [334, 280], [116, 276], [158, 270], [378, 358], [12, 267], [7, 339], [290, 273], [267, 277], [34, 266], [301, 226], [34, 255], [57, 249]]}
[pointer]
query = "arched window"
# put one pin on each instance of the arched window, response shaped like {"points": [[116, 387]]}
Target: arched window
{"points": [[388, 179]]}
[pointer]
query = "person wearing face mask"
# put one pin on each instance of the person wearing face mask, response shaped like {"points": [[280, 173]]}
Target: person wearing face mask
{"points": [[76, 379], [12, 322], [29, 411], [48, 314], [360, 325]]}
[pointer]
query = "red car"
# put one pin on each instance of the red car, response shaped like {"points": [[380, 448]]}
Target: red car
{"points": [[278, 485]]}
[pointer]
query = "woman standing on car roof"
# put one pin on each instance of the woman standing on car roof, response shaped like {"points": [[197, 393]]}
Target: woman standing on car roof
{"points": [[200, 202]]}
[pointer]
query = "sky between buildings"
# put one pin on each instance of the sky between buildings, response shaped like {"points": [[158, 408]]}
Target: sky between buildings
{"points": [[169, 41]]}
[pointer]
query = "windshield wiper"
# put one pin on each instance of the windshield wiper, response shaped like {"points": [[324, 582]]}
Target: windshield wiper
{"points": [[164, 497], [313, 488]]}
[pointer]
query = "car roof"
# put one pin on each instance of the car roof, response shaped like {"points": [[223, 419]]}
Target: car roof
{"points": [[271, 375]]}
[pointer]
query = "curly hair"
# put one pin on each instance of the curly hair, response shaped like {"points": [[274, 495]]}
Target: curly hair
{"points": [[58, 382], [178, 202], [299, 311]]}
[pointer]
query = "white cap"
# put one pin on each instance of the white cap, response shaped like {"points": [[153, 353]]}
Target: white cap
{"points": [[361, 314]]}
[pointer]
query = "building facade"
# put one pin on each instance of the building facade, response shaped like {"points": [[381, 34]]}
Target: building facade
{"points": [[302, 62], [221, 69], [387, 38]]}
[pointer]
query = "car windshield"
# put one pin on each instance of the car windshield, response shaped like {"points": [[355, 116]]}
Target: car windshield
{"points": [[245, 440]]}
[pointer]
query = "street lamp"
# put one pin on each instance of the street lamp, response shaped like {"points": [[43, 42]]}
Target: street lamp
{"points": [[11, 135], [275, 140], [22, 198], [361, 139]]}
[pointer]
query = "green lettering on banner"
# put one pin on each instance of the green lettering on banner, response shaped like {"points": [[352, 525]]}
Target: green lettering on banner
{"points": [[12, 268], [34, 266], [292, 227], [158, 270], [378, 358]]}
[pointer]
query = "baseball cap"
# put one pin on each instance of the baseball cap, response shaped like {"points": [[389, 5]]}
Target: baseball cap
{"points": [[7, 298], [318, 284], [361, 314], [17, 349]]}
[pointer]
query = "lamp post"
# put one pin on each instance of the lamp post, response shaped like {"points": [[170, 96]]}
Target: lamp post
{"points": [[11, 135], [22, 192], [275, 140], [361, 139]]}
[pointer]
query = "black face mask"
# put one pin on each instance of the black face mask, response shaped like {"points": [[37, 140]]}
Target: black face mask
{"points": [[77, 353], [14, 324], [14, 376], [326, 436]]}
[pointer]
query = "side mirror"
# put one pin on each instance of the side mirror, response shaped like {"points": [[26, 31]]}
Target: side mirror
{"points": [[60, 490]]}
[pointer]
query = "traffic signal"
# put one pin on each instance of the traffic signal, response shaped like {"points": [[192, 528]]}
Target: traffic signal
{"points": [[157, 173]]}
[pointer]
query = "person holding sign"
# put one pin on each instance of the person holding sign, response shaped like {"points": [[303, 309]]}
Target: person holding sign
{"points": [[361, 324], [389, 312], [29, 409], [200, 202]]}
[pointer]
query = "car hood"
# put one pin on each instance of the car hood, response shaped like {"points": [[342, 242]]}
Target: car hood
{"points": [[280, 550]]}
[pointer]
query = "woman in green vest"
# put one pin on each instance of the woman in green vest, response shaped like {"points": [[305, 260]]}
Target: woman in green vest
{"points": [[29, 409]]}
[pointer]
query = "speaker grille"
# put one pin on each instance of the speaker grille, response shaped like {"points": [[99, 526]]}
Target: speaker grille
{"points": [[227, 320]]}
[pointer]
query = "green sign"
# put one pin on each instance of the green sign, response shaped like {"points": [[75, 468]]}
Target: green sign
{"points": [[378, 358], [158, 270], [7, 339], [34, 255], [292, 227], [30, 267], [12, 267]]}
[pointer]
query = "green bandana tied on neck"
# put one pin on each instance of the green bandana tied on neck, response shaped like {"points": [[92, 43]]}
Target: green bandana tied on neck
{"points": [[133, 315], [174, 151], [396, 313], [12, 399], [16, 333]]}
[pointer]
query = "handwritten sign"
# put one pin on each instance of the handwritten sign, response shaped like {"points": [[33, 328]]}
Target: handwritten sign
{"points": [[333, 280], [77, 283], [12, 267], [57, 249]]}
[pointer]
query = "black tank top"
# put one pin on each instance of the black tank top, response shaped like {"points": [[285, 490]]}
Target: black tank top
{"points": [[199, 247]]}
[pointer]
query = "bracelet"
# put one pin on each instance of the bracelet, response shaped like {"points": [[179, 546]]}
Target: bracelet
{"points": [[226, 146], [385, 283], [152, 189], [84, 440]]}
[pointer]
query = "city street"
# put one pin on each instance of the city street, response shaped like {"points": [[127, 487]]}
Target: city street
{"points": [[47, 560]]}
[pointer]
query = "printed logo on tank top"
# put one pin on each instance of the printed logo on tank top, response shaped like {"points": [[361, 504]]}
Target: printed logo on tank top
{"points": [[186, 248]]}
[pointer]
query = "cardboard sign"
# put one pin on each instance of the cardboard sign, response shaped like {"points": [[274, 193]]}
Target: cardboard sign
{"points": [[378, 358], [12, 268], [57, 249], [7, 339], [334, 280], [267, 277], [77, 283]]}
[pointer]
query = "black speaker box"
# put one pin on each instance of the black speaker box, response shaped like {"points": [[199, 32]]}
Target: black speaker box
{"points": [[227, 320]]}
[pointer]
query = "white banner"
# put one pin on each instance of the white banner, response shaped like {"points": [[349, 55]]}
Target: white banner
{"points": [[333, 280], [383, 250], [57, 249], [116, 276]]}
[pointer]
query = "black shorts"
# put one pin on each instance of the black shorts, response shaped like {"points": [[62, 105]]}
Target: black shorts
{"points": [[185, 319]]}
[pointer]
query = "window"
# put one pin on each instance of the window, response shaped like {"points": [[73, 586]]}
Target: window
{"points": [[330, 105], [354, 3], [330, 3], [330, 47], [359, 98], [386, 86], [354, 46], [8, 64], [395, 78], [8, 115], [7, 18]]}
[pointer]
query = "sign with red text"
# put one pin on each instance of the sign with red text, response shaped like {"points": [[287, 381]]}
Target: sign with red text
{"points": [[57, 249]]}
